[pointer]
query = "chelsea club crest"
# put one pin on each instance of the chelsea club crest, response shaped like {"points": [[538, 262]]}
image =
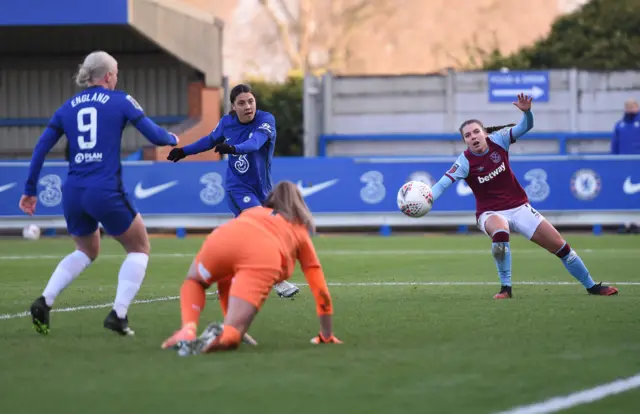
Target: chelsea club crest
{"points": [[585, 184]]}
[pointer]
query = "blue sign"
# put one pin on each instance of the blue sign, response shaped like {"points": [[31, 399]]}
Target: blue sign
{"points": [[345, 185], [505, 86], [63, 12]]}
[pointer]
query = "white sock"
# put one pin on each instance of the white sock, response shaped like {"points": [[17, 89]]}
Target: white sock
{"points": [[67, 271], [130, 279]]}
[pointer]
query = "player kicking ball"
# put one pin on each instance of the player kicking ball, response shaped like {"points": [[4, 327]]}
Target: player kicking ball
{"points": [[502, 205], [248, 136]]}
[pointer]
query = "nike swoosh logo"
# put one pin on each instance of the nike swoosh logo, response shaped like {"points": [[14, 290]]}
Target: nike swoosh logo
{"points": [[143, 193], [463, 189], [7, 187], [629, 188], [307, 191]]}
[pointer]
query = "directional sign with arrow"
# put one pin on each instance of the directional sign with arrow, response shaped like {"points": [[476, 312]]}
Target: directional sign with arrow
{"points": [[505, 86]]}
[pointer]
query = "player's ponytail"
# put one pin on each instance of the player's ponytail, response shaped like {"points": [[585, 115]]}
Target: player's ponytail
{"points": [[83, 77], [498, 128], [95, 66], [286, 200], [237, 90]]}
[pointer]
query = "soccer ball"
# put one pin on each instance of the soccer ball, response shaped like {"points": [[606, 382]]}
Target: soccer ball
{"points": [[415, 199], [31, 232]]}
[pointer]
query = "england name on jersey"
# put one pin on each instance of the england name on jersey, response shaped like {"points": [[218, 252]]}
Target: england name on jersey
{"points": [[93, 121]]}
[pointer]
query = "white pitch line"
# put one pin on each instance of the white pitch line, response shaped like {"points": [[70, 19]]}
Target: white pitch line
{"points": [[337, 284], [88, 307], [335, 253], [587, 396], [470, 283]]}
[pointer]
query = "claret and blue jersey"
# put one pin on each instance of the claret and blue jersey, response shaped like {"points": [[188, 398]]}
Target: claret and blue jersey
{"points": [[489, 174], [248, 177]]}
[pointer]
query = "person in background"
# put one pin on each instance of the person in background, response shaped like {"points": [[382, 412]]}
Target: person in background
{"points": [[626, 133], [626, 141]]}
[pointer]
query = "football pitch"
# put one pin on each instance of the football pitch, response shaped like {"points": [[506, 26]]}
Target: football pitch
{"points": [[421, 332]]}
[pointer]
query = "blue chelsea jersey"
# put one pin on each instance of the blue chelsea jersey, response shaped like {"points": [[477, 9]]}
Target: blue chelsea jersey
{"points": [[93, 121], [250, 167]]}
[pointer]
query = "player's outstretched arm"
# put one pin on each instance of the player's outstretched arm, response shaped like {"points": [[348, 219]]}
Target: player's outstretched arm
{"points": [[155, 133], [253, 144], [151, 131], [318, 285], [259, 137], [203, 144], [440, 187], [526, 122], [458, 171], [47, 141], [324, 305]]}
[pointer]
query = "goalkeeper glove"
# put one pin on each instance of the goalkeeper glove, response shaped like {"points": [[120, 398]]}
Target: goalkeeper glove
{"points": [[320, 339], [225, 149], [176, 154]]}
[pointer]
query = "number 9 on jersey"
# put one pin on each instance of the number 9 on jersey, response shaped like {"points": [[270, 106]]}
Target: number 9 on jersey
{"points": [[415, 199]]}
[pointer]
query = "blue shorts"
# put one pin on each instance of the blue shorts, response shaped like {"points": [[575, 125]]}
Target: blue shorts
{"points": [[84, 208], [239, 201]]}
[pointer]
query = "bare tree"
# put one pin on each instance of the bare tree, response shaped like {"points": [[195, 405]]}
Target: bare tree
{"points": [[316, 34], [475, 53]]}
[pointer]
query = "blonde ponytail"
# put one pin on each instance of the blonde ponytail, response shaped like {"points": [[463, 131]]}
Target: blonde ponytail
{"points": [[95, 66]]}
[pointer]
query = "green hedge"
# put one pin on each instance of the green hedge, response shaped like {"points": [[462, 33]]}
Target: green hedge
{"points": [[602, 35], [284, 101]]}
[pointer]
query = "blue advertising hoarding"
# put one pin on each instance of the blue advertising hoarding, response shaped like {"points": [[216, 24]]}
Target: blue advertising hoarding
{"points": [[505, 86], [345, 185]]}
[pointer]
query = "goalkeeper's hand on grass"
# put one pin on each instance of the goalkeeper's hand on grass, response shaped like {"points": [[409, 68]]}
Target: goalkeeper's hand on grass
{"points": [[320, 339]]}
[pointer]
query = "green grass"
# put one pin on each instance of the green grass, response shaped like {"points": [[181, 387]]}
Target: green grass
{"points": [[408, 348]]}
